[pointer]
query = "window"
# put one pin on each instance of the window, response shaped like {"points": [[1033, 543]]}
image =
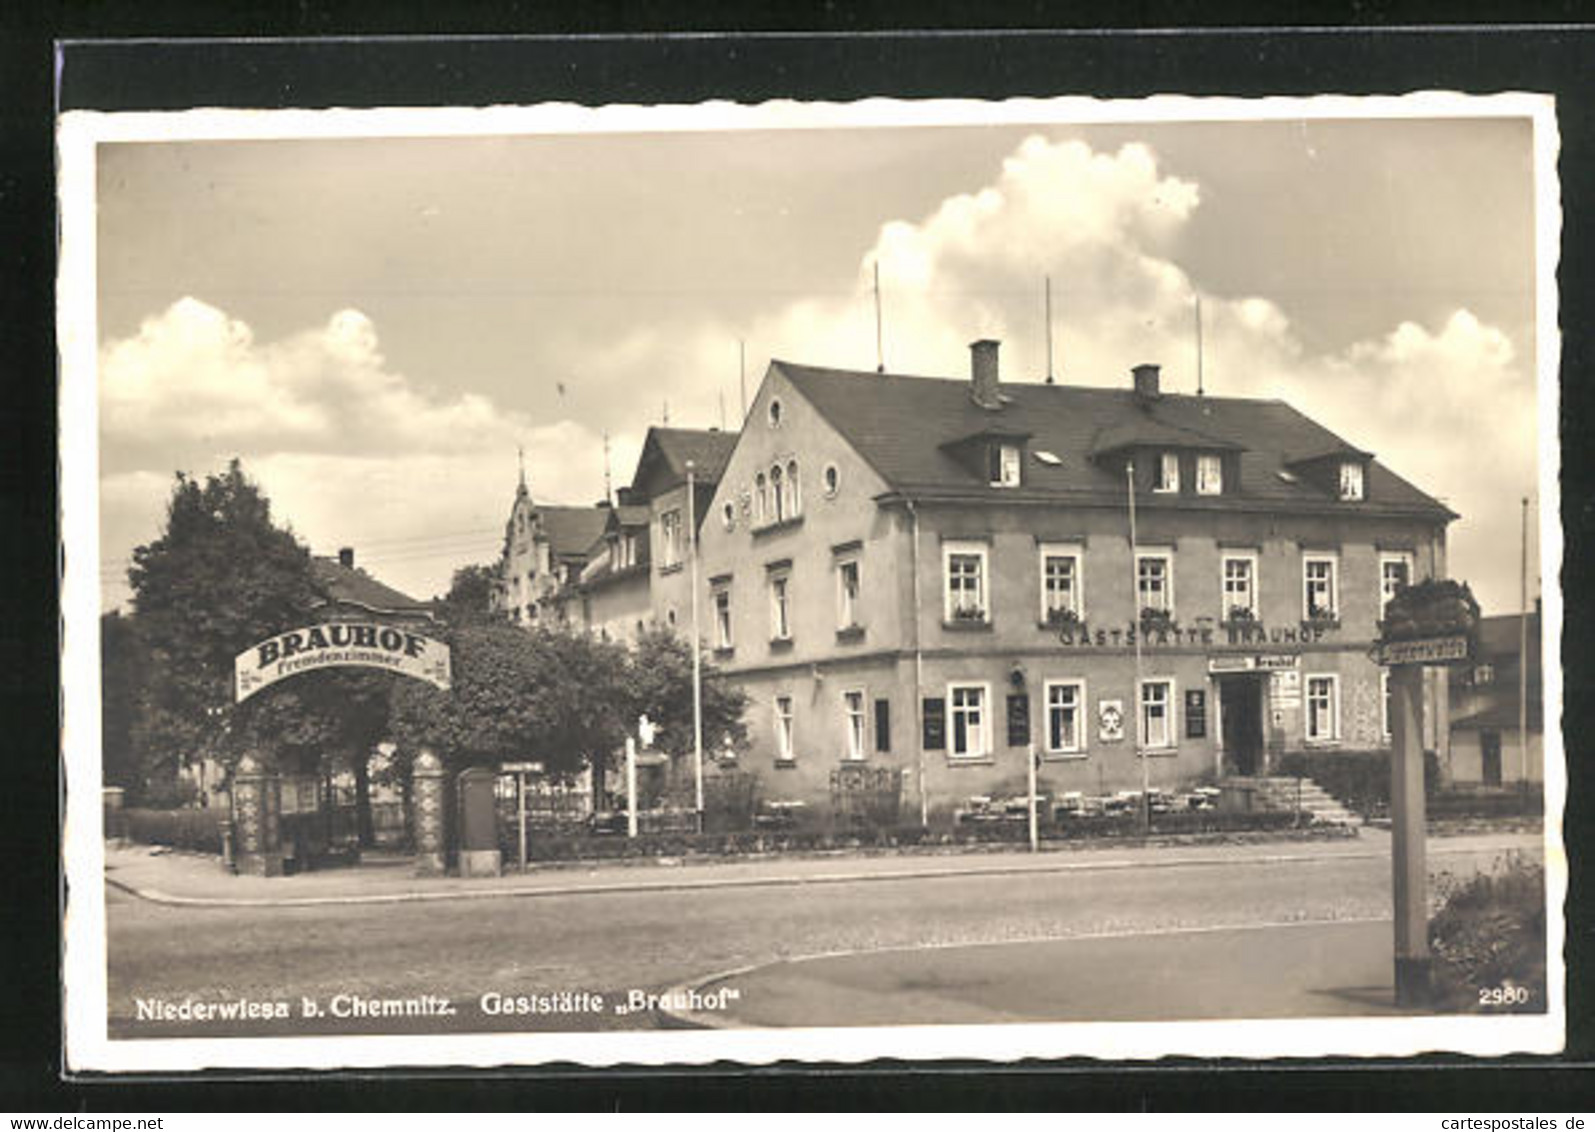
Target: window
{"points": [[1395, 571], [1209, 474], [853, 712], [969, 721], [833, 480], [777, 495], [1323, 709], [1005, 464], [761, 499], [1154, 580], [628, 550], [964, 566], [1060, 582], [1240, 586], [1351, 485], [780, 607], [794, 501], [883, 725], [847, 581], [1484, 674], [783, 729], [1157, 714], [1318, 587], [1065, 732], [729, 511], [1168, 472], [670, 538], [722, 617], [775, 412]]}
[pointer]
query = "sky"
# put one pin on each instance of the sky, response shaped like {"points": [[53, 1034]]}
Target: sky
{"points": [[377, 326]]}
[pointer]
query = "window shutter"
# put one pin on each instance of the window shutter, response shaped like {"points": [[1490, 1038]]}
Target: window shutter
{"points": [[883, 725]]}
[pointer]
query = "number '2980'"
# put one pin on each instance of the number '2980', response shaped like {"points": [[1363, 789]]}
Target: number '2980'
{"points": [[1507, 995]]}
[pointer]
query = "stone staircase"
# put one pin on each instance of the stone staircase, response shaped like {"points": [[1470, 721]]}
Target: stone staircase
{"points": [[1286, 795]]}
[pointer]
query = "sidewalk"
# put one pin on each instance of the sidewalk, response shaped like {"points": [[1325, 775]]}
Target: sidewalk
{"points": [[187, 879]]}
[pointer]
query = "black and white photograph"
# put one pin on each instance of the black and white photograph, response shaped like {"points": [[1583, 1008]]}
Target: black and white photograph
{"points": [[666, 584]]}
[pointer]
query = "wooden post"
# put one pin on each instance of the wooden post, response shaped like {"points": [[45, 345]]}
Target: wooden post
{"points": [[1409, 870]]}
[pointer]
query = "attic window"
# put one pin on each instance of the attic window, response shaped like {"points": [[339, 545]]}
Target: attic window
{"points": [[1168, 472], [1351, 485], [730, 513], [775, 412], [1004, 465], [1048, 457], [1287, 477], [833, 480]]}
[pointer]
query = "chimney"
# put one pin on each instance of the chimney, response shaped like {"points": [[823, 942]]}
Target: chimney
{"points": [[1146, 381], [346, 557], [983, 373]]}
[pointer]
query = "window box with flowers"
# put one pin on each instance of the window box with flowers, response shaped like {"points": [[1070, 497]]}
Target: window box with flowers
{"points": [[967, 617], [1238, 616], [1062, 618], [1155, 620], [1323, 619]]}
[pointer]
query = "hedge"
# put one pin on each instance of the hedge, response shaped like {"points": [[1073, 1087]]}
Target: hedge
{"points": [[199, 830], [586, 847], [1490, 935], [1358, 780]]}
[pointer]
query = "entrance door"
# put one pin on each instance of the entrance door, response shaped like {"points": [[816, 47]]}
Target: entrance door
{"points": [[1490, 749], [1241, 701]]}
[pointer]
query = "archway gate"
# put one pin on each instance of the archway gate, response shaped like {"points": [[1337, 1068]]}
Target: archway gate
{"points": [[258, 784]]}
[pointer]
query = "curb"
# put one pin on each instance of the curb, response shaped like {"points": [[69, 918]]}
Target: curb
{"points": [[156, 896], [705, 1020]]}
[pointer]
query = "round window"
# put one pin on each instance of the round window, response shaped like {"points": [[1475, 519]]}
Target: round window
{"points": [[775, 412], [833, 480]]}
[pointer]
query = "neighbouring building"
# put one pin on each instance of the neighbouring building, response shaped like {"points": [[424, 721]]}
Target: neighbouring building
{"points": [[1487, 748], [545, 549], [933, 574]]}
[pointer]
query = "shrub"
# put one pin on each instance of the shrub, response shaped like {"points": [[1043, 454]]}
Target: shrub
{"points": [[1490, 934], [197, 830]]}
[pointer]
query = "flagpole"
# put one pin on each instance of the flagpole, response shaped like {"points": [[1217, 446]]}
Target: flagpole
{"points": [[1135, 632], [697, 663], [1523, 657]]}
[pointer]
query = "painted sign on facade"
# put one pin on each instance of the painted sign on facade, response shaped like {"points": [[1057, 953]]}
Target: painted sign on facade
{"points": [[1110, 721], [1434, 650], [340, 645]]}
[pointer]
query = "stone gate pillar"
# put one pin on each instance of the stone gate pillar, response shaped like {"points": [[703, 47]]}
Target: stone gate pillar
{"points": [[426, 796], [257, 807]]}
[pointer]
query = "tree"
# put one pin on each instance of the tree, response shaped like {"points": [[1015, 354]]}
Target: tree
{"points": [[470, 596], [123, 666], [220, 577], [541, 694], [659, 685]]}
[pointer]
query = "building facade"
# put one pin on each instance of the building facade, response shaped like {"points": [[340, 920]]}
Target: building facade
{"points": [[1491, 743], [936, 574]]}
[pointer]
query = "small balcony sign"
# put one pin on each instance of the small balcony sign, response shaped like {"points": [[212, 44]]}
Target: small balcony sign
{"points": [[340, 645]]}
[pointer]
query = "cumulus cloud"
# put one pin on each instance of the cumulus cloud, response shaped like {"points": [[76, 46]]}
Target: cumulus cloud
{"points": [[349, 452], [1449, 406]]}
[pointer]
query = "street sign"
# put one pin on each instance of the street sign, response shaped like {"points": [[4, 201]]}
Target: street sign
{"points": [[521, 768], [1430, 650]]}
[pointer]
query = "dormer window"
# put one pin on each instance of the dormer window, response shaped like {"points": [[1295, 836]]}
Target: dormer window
{"points": [[1351, 481], [1209, 474], [1005, 464], [1168, 472]]}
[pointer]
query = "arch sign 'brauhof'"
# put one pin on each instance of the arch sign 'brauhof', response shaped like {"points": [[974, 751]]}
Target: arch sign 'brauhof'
{"points": [[340, 644]]}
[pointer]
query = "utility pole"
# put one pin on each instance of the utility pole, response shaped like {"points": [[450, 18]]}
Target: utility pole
{"points": [[1523, 658], [697, 660]]}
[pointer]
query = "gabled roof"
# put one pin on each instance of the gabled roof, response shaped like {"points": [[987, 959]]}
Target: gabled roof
{"points": [[899, 425], [571, 531], [349, 585], [666, 451]]}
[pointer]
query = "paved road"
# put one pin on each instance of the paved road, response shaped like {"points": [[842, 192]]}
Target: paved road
{"points": [[610, 944]]}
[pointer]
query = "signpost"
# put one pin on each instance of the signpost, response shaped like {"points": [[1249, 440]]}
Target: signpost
{"points": [[520, 771], [1432, 623]]}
